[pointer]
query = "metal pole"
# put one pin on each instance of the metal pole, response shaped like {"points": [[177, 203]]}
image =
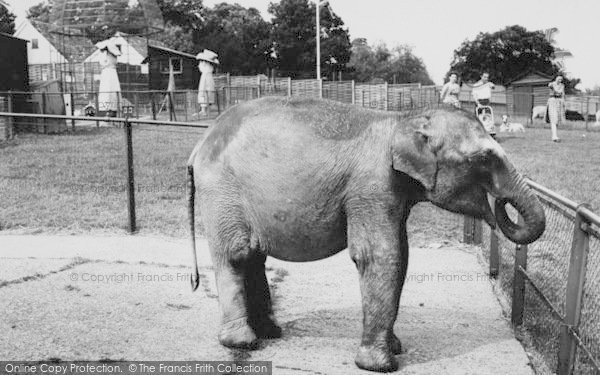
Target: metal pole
{"points": [[574, 295], [72, 112], [318, 37], [130, 182], [44, 121], [96, 96], [518, 298], [10, 122]]}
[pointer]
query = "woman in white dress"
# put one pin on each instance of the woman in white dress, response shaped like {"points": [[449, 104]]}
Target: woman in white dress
{"points": [[450, 91], [555, 113], [109, 91], [206, 88]]}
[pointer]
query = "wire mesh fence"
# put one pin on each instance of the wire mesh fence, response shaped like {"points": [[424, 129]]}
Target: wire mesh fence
{"points": [[555, 311]]}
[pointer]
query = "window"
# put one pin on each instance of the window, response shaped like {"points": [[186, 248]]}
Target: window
{"points": [[175, 61], [34, 44]]}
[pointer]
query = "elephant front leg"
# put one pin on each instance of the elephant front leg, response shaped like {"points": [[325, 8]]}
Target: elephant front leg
{"points": [[379, 260]]}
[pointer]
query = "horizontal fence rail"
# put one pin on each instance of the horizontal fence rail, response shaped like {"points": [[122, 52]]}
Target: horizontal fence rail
{"points": [[553, 283]]}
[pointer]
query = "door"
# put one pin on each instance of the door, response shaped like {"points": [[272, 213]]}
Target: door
{"points": [[523, 99]]}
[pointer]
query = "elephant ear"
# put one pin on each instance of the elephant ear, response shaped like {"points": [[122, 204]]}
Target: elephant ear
{"points": [[413, 154]]}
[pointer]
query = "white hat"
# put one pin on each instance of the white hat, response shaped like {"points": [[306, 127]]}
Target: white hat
{"points": [[208, 55], [110, 46]]}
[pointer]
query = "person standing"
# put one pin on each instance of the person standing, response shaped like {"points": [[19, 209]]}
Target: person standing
{"points": [[109, 90], [482, 91], [450, 91], [206, 87], [555, 113]]}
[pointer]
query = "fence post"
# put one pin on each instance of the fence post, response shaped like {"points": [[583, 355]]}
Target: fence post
{"points": [[494, 254], [44, 112], [136, 101], [518, 297], [386, 88], [477, 231], [153, 105], [467, 229], [130, 181], [97, 103], [185, 104], [587, 112], [320, 83], [10, 121], [72, 112], [353, 92], [289, 81], [574, 295]]}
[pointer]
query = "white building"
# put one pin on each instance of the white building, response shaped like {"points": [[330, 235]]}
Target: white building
{"points": [[54, 55]]}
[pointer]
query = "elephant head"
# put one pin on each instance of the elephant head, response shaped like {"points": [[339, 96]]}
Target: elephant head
{"points": [[451, 155]]}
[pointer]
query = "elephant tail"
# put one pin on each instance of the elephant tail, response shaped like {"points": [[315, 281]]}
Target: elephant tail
{"points": [[191, 195]]}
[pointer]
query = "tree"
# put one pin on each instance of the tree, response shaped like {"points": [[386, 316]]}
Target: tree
{"points": [[293, 37], [176, 37], [379, 63], [506, 54], [7, 21], [188, 14], [239, 35], [40, 12]]}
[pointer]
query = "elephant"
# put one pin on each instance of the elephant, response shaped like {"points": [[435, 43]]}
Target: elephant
{"points": [[303, 179]]}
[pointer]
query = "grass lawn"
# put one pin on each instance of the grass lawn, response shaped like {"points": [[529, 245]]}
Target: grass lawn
{"points": [[76, 183]]}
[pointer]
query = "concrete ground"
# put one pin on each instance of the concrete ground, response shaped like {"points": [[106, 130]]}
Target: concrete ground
{"points": [[129, 298]]}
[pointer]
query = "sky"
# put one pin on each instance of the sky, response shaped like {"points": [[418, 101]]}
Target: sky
{"points": [[435, 28]]}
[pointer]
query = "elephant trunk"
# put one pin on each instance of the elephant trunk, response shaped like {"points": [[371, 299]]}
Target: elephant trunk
{"points": [[514, 190]]}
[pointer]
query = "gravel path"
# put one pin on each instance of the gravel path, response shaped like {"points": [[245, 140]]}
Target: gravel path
{"points": [[128, 298]]}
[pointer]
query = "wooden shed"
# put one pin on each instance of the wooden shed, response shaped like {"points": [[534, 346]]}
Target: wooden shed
{"points": [[13, 77], [13, 64], [185, 68], [526, 91]]}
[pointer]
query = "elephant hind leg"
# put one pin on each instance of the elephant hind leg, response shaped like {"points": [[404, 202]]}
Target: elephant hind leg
{"points": [[230, 252], [259, 305]]}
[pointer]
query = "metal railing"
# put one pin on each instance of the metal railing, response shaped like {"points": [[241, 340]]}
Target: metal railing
{"points": [[554, 285]]}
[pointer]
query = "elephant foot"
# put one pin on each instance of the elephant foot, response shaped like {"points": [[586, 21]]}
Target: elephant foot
{"points": [[396, 345], [375, 359], [238, 334], [267, 329]]}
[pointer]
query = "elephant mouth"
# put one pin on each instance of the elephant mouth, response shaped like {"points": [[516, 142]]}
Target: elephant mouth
{"points": [[472, 202]]}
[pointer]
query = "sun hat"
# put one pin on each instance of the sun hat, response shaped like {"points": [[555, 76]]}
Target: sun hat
{"points": [[209, 56], [110, 46]]}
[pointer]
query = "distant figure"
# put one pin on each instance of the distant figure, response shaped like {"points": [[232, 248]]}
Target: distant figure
{"points": [[450, 91], [109, 90], [206, 88], [482, 91], [556, 106]]}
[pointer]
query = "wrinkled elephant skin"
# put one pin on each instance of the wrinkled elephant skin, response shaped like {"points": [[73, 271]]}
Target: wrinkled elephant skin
{"points": [[301, 180]]}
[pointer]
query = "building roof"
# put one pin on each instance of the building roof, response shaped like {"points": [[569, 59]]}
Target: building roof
{"points": [[530, 77], [169, 51], [12, 37], [74, 46], [139, 43]]}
